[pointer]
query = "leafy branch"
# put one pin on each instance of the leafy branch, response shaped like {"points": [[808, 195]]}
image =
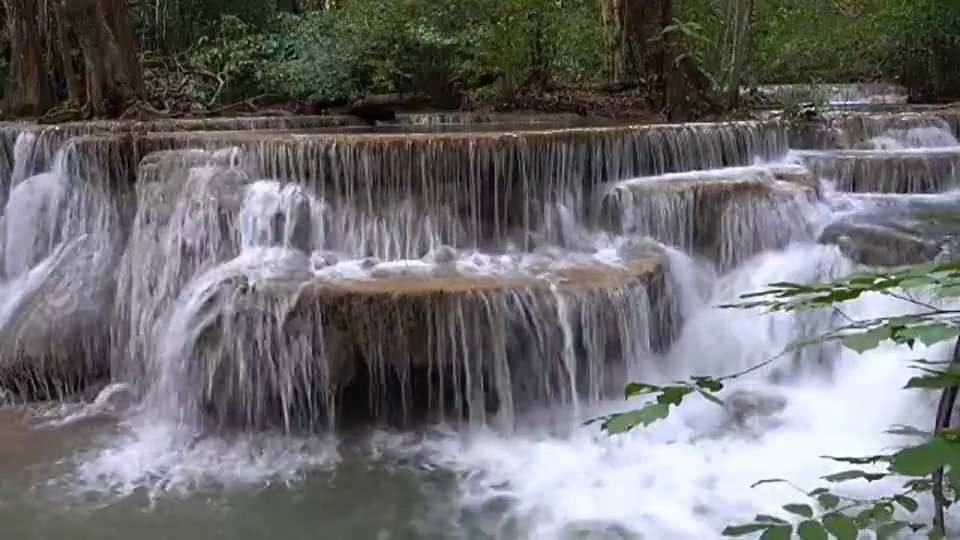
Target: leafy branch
{"points": [[923, 464]]}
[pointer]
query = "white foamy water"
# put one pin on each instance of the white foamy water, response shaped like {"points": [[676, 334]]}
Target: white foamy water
{"points": [[546, 476], [683, 478], [690, 475]]}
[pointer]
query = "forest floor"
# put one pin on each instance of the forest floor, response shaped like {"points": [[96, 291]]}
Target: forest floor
{"points": [[589, 102]]}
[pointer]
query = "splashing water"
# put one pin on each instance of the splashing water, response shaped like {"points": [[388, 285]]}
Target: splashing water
{"points": [[509, 323]]}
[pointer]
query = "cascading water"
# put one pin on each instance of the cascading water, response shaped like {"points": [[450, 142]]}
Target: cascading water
{"points": [[401, 337]]}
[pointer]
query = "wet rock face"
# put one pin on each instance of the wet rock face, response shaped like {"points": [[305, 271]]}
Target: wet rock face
{"points": [[884, 170], [752, 411], [724, 215], [881, 245], [284, 350], [294, 226], [899, 231], [55, 343]]}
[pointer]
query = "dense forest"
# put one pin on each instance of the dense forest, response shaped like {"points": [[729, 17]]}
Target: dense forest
{"points": [[96, 58]]}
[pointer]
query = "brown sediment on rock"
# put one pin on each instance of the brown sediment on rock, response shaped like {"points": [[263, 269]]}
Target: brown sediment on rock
{"points": [[497, 182], [572, 278], [246, 123], [680, 129], [500, 118], [725, 215], [50, 139], [447, 343], [873, 171], [294, 122]]}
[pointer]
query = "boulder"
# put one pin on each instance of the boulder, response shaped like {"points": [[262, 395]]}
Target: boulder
{"points": [[875, 244], [54, 334]]}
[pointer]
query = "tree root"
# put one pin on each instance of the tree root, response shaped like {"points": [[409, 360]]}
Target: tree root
{"points": [[143, 110]]}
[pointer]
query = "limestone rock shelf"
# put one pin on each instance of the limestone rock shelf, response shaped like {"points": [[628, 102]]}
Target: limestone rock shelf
{"points": [[846, 130], [894, 230], [54, 340], [512, 335], [566, 279], [725, 215], [927, 170], [592, 154], [495, 184], [881, 244]]}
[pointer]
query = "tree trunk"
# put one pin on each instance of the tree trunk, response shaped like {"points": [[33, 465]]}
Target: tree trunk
{"points": [[640, 50], [540, 59], [71, 58], [27, 92], [118, 20], [104, 40], [636, 48], [734, 48], [615, 40]]}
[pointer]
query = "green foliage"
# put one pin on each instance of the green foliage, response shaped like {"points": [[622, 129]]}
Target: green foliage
{"points": [[915, 42], [223, 51], [826, 514], [443, 47]]}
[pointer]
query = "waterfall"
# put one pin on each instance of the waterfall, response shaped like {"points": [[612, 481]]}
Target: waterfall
{"points": [[470, 295]]}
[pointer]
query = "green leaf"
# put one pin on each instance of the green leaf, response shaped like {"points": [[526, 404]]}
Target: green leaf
{"points": [[636, 388], [673, 395], [889, 530], [932, 332], [767, 518], [854, 474], [952, 453], [920, 460], [953, 476], [866, 340], [644, 416], [711, 398], [949, 291], [909, 431], [777, 532], [707, 383], [880, 513], [828, 501], [743, 530], [908, 503], [802, 510], [840, 526], [941, 379], [811, 530]]}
